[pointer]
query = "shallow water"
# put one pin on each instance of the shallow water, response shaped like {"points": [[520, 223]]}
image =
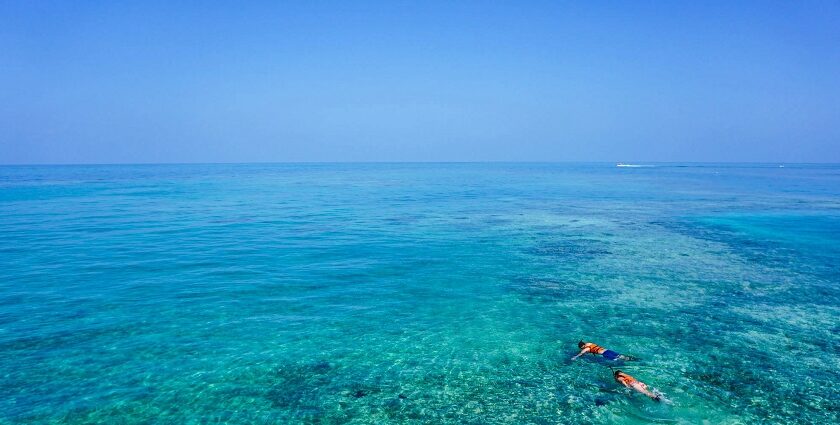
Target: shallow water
{"points": [[439, 293]]}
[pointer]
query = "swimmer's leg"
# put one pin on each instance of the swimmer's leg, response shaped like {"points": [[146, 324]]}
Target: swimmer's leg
{"points": [[642, 388], [611, 355], [658, 396]]}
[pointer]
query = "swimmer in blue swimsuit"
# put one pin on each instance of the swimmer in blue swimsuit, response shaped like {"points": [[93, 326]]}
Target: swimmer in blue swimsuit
{"points": [[588, 347]]}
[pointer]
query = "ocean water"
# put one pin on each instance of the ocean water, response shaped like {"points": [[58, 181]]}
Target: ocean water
{"points": [[418, 293]]}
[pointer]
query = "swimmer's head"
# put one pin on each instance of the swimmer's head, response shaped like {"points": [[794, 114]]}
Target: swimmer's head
{"points": [[581, 344], [616, 373]]}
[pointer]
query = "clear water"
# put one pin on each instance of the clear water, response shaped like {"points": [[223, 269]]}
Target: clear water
{"points": [[418, 293]]}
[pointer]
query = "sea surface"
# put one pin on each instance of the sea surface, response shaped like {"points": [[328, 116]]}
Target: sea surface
{"points": [[418, 293]]}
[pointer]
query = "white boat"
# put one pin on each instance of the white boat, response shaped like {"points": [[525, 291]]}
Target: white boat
{"points": [[621, 164]]}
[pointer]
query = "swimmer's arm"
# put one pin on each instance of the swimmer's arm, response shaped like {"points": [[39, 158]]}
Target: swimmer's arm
{"points": [[582, 352]]}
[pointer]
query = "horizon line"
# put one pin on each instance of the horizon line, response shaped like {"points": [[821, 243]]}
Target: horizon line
{"points": [[47, 164]]}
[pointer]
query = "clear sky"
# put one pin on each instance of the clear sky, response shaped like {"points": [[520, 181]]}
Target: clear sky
{"points": [[172, 81]]}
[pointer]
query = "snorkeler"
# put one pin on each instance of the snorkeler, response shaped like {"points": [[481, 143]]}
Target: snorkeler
{"points": [[588, 347], [631, 382]]}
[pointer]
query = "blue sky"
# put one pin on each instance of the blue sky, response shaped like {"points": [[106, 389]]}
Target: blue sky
{"points": [[101, 82]]}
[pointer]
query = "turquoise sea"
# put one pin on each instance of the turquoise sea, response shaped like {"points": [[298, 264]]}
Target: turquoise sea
{"points": [[418, 293]]}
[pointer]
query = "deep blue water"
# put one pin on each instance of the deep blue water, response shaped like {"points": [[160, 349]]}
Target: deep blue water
{"points": [[418, 293]]}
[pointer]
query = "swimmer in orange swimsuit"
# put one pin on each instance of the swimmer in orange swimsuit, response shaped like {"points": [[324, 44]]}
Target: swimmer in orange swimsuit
{"points": [[588, 347], [631, 382]]}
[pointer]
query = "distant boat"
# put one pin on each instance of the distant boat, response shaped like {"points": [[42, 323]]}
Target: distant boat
{"points": [[621, 164]]}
